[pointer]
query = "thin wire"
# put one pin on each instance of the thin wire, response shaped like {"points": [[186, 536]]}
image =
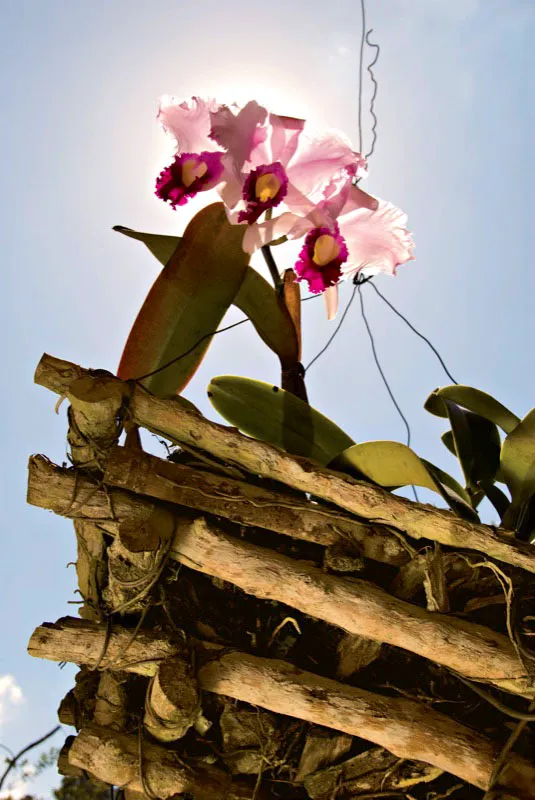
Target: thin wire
{"points": [[197, 343], [375, 88], [383, 376], [426, 340], [321, 352], [361, 61], [191, 349]]}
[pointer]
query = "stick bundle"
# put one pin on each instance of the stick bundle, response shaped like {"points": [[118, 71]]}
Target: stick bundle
{"points": [[238, 639]]}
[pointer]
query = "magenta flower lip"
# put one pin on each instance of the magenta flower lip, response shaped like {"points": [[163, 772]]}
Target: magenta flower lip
{"points": [[188, 174], [321, 258], [265, 187]]}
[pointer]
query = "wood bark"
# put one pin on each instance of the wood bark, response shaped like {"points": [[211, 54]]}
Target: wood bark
{"points": [[114, 758], [91, 644], [75, 495], [402, 726], [247, 504], [93, 429], [173, 420], [111, 701], [355, 605], [173, 702]]}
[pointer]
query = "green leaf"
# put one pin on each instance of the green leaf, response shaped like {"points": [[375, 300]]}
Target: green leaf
{"points": [[259, 301], [256, 298], [447, 440], [160, 246], [462, 439], [477, 445], [452, 492], [393, 464], [518, 459], [273, 415], [499, 499], [186, 303], [474, 400]]}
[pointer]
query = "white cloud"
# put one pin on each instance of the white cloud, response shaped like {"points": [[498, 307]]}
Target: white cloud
{"points": [[16, 789], [10, 695]]}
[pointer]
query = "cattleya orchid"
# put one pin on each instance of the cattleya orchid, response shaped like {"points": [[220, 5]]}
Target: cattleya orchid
{"points": [[259, 161]]}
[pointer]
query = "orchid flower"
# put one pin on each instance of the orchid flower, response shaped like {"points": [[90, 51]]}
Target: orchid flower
{"points": [[347, 233], [258, 161], [282, 160], [197, 166], [257, 158]]}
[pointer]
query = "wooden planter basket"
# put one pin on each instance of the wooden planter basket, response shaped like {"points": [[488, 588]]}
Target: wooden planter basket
{"points": [[255, 626]]}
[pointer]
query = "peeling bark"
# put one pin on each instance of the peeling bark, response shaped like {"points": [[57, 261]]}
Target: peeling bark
{"points": [[172, 420], [402, 726]]}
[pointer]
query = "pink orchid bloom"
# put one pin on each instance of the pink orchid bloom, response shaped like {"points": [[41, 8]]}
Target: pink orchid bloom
{"points": [[198, 166], [347, 233], [283, 159], [254, 158]]}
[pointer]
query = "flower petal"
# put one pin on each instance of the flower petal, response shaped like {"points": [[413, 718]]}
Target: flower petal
{"points": [[262, 233], [284, 137], [321, 258], [317, 158], [264, 189], [359, 199], [240, 133], [188, 122], [378, 241], [188, 174], [331, 301]]}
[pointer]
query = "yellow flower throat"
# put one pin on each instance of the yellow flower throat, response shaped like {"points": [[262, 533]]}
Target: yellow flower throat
{"points": [[326, 250]]}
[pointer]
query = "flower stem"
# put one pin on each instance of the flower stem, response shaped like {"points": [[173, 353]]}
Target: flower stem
{"points": [[270, 261]]}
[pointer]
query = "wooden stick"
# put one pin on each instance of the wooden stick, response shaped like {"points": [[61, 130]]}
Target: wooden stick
{"points": [[173, 702], [355, 605], [114, 758], [93, 429], [248, 504], [71, 494], [91, 643], [402, 726], [172, 420]]}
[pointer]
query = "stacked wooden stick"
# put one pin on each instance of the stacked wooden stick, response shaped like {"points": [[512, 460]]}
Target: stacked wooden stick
{"points": [[256, 626]]}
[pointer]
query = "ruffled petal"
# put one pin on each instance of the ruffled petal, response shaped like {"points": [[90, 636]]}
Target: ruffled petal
{"points": [[242, 133], [378, 241], [317, 158], [321, 258], [188, 122], [264, 188], [188, 174]]}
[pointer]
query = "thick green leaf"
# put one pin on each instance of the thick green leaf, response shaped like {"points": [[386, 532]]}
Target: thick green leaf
{"points": [[499, 499], [256, 298], [186, 303], [462, 439], [518, 459], [393, 464], [160, 246], [272, 415], [260, 302], [477, 445], [447, 440], [474, 400], [453, 493]]}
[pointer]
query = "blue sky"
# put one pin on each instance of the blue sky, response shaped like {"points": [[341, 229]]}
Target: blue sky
{"points": [[79, 85]]}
